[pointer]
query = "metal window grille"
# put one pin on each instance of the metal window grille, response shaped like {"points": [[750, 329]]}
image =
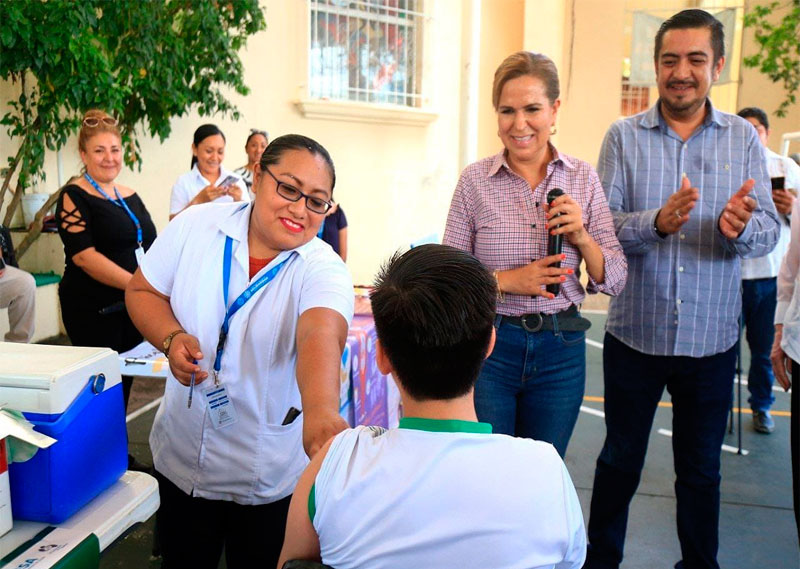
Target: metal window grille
{"points": [[366, 50], [634, 98]]}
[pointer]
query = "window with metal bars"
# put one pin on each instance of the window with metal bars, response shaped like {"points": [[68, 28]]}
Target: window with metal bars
{"points": [[366, 50]]}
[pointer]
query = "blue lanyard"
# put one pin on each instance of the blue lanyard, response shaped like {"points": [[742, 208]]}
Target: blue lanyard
{"points": [[119, 202], [248, 293], [321, 227]]}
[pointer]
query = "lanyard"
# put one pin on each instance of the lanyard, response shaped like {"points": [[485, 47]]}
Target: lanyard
{"points": [[248, 293], [119, 202], [321, 227]]}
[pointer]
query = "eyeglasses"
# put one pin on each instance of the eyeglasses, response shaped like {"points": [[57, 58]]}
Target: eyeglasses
{"points": [[92, 122], [315, 204]]}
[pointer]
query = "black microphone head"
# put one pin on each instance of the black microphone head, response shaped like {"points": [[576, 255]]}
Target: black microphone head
{"points": [[553, 194]]}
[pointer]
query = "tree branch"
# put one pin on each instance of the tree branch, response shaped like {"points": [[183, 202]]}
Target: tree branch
{"points": [[36, 227]]}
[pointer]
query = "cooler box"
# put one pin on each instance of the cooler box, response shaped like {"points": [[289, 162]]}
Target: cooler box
{"points": [[75, 396]]}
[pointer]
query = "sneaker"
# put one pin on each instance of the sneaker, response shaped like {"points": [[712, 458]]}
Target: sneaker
{"points": [[762, 422]]}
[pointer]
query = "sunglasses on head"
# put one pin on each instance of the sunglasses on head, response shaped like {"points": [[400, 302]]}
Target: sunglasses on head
{"points": [[92, 122], [261, 132]]}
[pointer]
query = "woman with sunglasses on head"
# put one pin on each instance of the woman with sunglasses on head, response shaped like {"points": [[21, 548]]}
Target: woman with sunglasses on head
{"points": [[106, 229], [254, 147], [252, 313], [532, 384], [208, 180]]}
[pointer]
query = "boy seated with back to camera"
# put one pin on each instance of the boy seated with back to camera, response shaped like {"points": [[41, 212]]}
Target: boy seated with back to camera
{"points": [[440, 490]]}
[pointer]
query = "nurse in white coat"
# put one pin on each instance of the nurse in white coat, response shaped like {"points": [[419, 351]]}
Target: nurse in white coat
{"points": [[252, 312]]}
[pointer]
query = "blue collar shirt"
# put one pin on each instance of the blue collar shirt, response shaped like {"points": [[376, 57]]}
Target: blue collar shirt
{"points": [[682, 296]]}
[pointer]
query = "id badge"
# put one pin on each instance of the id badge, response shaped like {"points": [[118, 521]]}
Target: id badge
{"points": [[139, 255], [220, 406]]}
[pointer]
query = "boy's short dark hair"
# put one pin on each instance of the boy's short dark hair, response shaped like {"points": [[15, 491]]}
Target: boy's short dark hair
{"points": [[755, 113], [694, 18], [434, 309]]}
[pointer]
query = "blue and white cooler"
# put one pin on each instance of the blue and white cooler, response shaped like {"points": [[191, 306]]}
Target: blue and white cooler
{"points": [[74, 395]]}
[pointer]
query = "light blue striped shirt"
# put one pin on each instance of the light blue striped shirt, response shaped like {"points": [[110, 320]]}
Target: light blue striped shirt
{"points": [[682, 296]]}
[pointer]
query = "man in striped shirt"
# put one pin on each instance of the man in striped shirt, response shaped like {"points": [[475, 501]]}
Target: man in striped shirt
{"points": [[689, 192]]}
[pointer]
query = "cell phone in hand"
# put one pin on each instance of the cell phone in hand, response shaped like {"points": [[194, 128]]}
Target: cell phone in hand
{"points": [[778, 182], [228, 181]]}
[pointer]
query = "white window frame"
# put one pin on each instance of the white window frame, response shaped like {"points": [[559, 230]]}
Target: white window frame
{"points": [[365, 111]]}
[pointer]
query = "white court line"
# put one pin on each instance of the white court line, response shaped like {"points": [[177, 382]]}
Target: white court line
{"points": [[594, 343], [592, 411], [143, 410], [593, 311], [726, 448]]}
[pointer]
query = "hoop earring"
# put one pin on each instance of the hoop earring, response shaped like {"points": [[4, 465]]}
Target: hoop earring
{"points": [[553, 130]]}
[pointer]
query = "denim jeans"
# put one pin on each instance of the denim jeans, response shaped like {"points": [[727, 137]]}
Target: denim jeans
{"points": [[759, 297], [701, 390], [532, 384]]}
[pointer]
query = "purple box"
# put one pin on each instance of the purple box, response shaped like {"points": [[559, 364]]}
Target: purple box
{"points": [[368, 383]]}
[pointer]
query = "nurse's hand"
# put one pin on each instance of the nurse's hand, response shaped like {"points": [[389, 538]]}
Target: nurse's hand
{"points": [[318, 427], [183, 353]]}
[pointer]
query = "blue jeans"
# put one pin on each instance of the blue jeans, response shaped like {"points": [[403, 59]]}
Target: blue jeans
{"points": [[701, 390], [532, 384], [759, 297]]}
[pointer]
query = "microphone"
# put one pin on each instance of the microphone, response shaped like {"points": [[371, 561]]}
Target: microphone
{"points": [[554, 242]]}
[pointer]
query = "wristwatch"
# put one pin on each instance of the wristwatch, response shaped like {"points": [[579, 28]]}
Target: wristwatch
{"points": [[168, 340]]}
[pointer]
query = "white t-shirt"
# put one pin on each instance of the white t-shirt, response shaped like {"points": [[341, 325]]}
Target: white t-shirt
{"points": [[256, 460], [445, 494], [190, 184], [768, 265]]}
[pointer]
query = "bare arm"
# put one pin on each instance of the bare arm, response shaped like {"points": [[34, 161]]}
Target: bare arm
{"points": [[343, 243], [301, 540], [101, 268], [152, 315], [321, 334]]}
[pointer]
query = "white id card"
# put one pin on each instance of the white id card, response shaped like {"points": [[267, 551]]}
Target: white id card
{"points": [[139, 255], [220, 406]]}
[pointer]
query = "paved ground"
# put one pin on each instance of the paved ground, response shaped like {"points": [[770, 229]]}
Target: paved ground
{"points": [[756, 526]]}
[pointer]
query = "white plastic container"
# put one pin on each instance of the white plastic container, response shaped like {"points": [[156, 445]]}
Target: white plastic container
{"points": [[32, 203]]}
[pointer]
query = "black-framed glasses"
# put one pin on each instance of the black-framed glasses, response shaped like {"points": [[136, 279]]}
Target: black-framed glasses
{"points": [[92, 122], [313, 203]]}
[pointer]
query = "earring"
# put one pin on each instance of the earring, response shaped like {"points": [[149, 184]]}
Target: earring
{"points": [[553, 130]]}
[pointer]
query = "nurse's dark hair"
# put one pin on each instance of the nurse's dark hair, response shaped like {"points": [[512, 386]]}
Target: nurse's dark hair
{"points": [[276, 148], [524, 63], [434, 309], [755, 113], [688, 19], [203, 132]]}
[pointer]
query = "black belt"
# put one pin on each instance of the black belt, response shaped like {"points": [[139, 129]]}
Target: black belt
{"points": [[568, 320]]}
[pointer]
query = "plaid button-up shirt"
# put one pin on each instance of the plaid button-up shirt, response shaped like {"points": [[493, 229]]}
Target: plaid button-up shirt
{"points": [[496, 216], [682, 297]]}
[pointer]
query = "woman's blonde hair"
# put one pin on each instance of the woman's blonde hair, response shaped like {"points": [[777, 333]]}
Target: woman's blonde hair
{"points": [[524, 63], [105, 123]]}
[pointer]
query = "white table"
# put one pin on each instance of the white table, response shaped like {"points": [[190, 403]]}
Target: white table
{"points": [[130, 500]]}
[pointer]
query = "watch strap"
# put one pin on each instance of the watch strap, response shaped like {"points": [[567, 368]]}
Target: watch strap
{"points": [[168, 340]]}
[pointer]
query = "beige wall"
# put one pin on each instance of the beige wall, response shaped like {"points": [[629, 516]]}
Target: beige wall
{"points": [[757, 90], [502, 31]]}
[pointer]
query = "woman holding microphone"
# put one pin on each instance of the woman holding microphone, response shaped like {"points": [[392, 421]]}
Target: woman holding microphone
{"points": [[533, 382], [252, 313]]}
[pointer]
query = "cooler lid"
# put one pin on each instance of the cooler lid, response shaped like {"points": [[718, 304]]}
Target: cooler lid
{"points": [[45, 379]]}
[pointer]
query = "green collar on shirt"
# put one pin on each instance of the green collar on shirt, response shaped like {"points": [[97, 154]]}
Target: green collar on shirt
{"points": [[418, 424], [444, 425]]}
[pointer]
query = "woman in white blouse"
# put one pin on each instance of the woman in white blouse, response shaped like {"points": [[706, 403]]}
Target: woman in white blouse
{"points": [[208, 180], [786, 346], [252, 313]]}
